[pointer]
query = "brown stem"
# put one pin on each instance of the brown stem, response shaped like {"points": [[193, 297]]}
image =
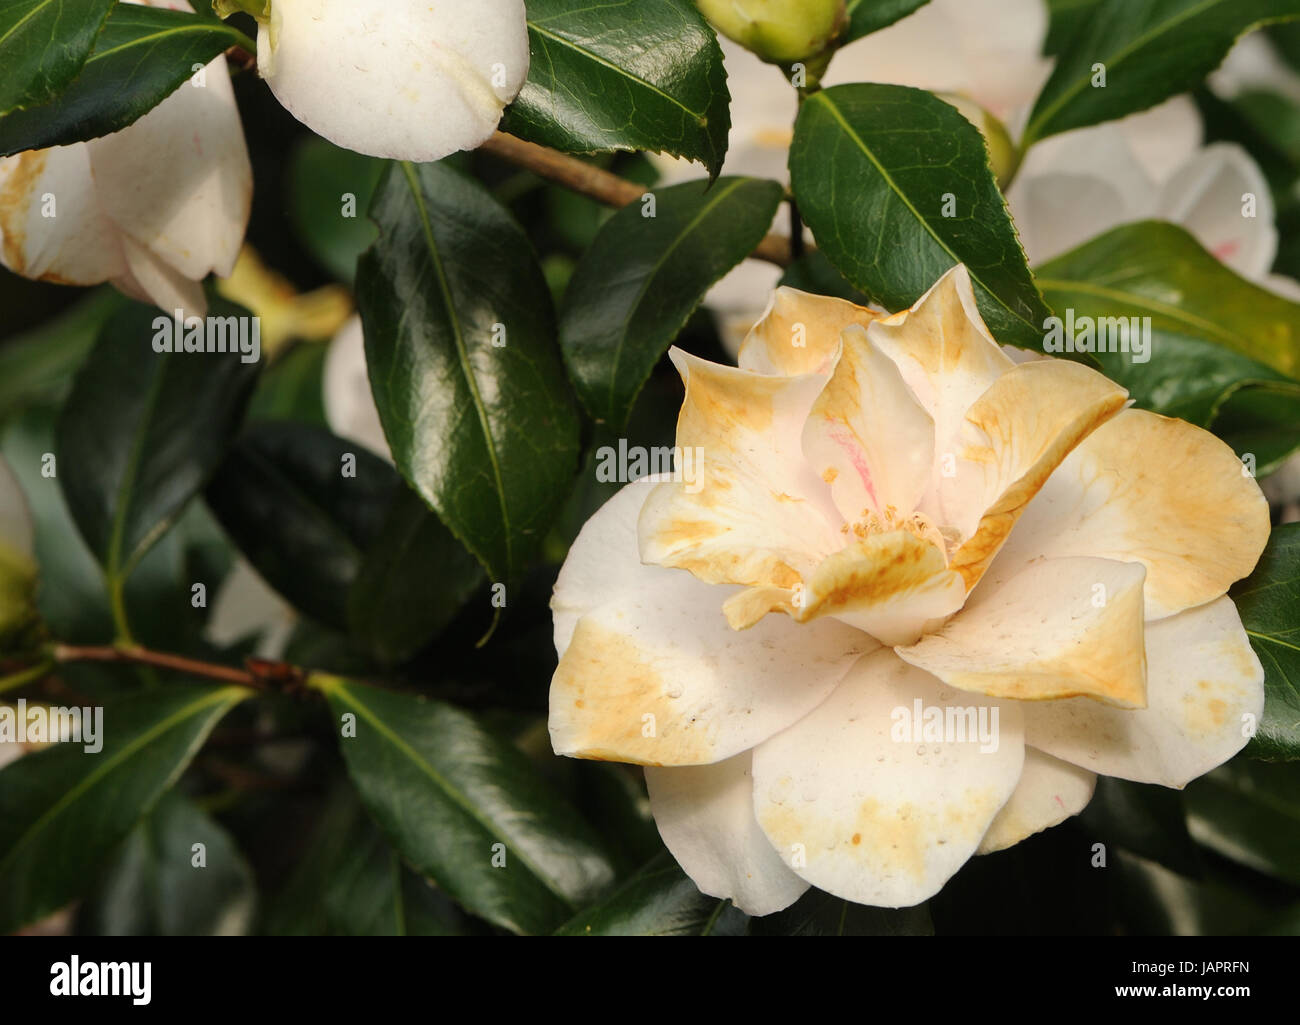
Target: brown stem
{"points": [[135, 655], [600, 185]]}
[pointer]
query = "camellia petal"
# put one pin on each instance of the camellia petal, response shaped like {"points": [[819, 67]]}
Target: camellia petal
{"points": [[945, 354], [1208, 196], [51, 224], [1014, 436], [754, 512], [151, 279], [401, 79], [1049, 792], [705, 814], [858, 801], [349, 402], [650, 672], [1059, 628], [799, 333], [1149, 489], [1205, 694], [867, 436]]}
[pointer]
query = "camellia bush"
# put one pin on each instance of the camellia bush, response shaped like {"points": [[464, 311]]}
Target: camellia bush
{"points": [[746, 467]]}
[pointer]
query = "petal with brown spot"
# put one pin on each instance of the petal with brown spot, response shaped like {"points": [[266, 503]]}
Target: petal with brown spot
{"points": [[799, 333]]}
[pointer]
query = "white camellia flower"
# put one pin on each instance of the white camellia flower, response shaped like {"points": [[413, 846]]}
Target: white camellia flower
{"points": [[349, 402], [405, 79], [153, 208], [892, 523]]}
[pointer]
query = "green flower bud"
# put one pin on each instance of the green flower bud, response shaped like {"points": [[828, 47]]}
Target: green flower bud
{"points": [[259, 9], [1004, 157], [779, 31]]}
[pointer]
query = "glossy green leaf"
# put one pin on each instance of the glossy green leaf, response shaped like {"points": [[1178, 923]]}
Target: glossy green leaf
{"points": [[460, 341], [611, 75], [1150, 49], [154, 888], [142, 56], [1067, 20], [304, 507], [63, 810], [453, 799], [39, 364], [328, 192], [350, 882], [1212, 333], [875, 167], [643, 277], [821, 914], [293, 387], [413, 581], [660, 900], [43, 45], [1250, 812], [142, 431], [867, 16], [1145, 819], [1269, 604]]}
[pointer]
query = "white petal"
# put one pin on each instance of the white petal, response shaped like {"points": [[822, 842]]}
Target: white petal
{"points": [[799, 333], [1049, 792], [878, 820], [867, 436], [1057, 211], [245, 606], [349, 402], [1207, 196], [737, 301], [178, 180], [638, 641], [1146, 488], [1203, 682], [705, 814], [396, 78], [77, 245], [1164, 137], [150, 279], [1059, 628], [748, 509]]}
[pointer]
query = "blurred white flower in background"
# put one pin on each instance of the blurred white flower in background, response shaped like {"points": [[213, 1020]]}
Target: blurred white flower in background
{"points": [[153, 208], [349, 403], [406, 79]]}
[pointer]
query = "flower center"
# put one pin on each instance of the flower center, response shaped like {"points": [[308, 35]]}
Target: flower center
{"points": [[946, 539]]}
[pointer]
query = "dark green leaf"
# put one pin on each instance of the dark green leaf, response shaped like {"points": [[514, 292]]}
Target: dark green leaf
{"points": [[153, 887], [351, 882], [329, 191], [63, 810], [1143, 818], [610, 75], [413, 581], [43, 45], [460, 341], [141, 57], [660, 900], [1269, 603], [453, 798], [304, 507], [1151, 50], [867, 16], [1068, 21], [820, 914], [292, 388], [1250, 812], [142, 431], [644, 276], [874, 167], [1212, 332]]}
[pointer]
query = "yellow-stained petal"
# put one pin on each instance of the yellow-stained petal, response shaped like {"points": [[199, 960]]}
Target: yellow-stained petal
{"points": [[1049, 792], [1014, 436], [705, 814], [1205, 691], [1059, 628], [854, 803], [799, 333], [867, 436], [650, 672], [945, 354], [1145, 488], [51, 227], [748, 510]]}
